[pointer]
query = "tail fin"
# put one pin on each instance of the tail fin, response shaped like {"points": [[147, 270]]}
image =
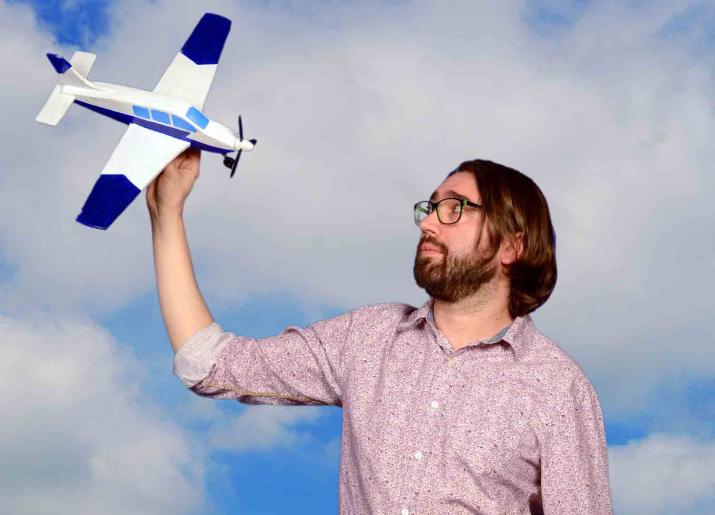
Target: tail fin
{"points": [[82, 62], [72, 73]]}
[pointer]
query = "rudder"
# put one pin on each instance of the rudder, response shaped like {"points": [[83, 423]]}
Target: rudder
{"points": [[83, 62]]}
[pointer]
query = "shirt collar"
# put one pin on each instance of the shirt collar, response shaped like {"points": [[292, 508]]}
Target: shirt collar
{"points": [[416, 316], [514, 334]]}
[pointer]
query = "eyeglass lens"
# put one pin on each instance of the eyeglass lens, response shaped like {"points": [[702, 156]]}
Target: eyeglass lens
{"points": [[448, 211]]}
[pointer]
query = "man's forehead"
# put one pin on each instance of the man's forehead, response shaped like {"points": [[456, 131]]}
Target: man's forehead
{"points": [[461, 185]]}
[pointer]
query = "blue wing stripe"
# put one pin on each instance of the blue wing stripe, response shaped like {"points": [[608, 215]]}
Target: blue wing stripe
{"points": [[206, 42], [110, 196]]}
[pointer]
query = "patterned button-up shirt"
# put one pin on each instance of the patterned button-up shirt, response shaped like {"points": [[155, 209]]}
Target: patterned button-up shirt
{"points": [[508, 426]]}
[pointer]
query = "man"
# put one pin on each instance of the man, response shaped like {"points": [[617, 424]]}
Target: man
{"points": [[459, 406]]}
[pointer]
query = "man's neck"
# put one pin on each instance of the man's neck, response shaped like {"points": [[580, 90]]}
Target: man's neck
{"points": [[474, 318]]}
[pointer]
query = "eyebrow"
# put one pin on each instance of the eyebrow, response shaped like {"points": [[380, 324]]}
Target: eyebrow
{"points": [[449, 193]]}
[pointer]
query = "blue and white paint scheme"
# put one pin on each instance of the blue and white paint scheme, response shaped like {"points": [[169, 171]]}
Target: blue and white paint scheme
{"points": [[161, 123]]}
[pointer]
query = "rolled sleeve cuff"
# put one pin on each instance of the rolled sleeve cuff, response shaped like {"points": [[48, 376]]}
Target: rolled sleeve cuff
{"points": [[197, 356]]}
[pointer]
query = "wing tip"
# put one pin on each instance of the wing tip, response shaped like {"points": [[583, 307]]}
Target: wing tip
{"points": [[205, 44], [216, 18], [84, 220], [110, 196]]}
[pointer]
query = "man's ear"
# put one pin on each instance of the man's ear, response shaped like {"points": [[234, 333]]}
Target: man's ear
{"points": [[512, 248]]}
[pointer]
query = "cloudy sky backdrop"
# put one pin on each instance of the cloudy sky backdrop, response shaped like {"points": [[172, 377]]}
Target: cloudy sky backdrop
{"points": [[360, 110]]}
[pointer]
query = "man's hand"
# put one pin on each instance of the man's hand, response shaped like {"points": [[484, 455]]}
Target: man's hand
{"points": [[168, 192]]}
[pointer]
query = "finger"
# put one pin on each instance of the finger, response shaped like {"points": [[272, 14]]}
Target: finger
{"points": [[191, 163], [182, 159], [150, 192], [173, 164], [193, 157]]}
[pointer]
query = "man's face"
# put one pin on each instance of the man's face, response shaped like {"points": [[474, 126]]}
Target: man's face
{"points": [[453, 261]]}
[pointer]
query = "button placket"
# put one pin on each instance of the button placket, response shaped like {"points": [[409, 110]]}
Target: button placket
{"points": [[431, 434], [429, 430]]}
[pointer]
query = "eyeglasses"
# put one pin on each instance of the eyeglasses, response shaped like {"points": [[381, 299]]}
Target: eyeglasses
{"points": [[449, 210]]}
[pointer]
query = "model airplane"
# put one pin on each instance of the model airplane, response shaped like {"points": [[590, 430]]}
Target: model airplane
{"points": [[161, 123]]}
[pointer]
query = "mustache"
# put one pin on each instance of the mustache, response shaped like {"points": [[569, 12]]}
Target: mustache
{"points": [[433, 241]]}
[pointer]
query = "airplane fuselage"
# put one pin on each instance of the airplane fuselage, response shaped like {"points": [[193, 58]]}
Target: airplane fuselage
{"points": [[157, 112]]}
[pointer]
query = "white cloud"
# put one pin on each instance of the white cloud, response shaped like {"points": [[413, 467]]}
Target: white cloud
{"points": [[238, 427], [77, 434], [663, 474], [81, 427], [262, 428]]}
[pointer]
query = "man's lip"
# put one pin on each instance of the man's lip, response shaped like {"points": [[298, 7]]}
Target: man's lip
{"points": [[429, 248]]}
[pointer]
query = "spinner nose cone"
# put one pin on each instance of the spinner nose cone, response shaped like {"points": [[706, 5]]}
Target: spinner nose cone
{"points": [[245, 144]]}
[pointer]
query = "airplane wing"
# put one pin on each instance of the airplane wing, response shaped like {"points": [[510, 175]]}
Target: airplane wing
{"points": [[190, 74], [139, 157]]}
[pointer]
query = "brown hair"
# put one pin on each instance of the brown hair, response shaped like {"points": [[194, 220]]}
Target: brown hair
{"points": [[514, 205]]}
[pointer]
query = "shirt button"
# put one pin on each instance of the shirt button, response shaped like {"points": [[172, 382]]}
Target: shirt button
{"points": [[434, 404], [405, 511], [450, 361], [418, 455]]}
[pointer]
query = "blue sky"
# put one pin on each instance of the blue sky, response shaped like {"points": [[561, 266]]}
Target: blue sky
{"points": [[301, 475], [73, 23], [607, 105]]}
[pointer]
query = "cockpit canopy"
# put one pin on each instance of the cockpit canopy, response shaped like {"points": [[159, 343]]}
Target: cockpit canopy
{"points": [[162, 117], [197, 117]]}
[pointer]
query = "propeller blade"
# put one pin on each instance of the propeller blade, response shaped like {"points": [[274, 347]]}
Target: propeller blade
{"points": [[235, 163], [240, 128]]}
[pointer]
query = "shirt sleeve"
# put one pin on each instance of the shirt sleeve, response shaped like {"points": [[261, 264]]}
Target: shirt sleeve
{"points": [[574, 461], [298, 366]]}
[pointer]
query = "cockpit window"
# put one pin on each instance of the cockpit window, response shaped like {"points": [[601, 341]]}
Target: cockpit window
{"points": [[197, 117], [141, 112], [180, 123], [159, 116]]}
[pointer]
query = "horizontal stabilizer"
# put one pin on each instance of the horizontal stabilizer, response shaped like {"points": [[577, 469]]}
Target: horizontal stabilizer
{"points": [[111, 195], [55, 107]]}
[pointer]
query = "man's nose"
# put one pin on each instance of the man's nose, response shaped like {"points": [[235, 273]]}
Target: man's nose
{"points": [[430, 223]]}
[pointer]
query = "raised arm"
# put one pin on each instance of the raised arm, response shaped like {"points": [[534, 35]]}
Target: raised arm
{"points": [[182, 305]]}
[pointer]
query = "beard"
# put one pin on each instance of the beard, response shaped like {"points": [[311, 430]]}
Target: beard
{"points": [[451, 278]]}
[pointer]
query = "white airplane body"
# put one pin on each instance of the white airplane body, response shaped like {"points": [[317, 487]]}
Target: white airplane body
{"points": [[161, 123]]}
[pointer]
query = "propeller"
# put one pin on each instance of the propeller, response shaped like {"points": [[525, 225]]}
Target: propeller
{"points": [[231, 162]]}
